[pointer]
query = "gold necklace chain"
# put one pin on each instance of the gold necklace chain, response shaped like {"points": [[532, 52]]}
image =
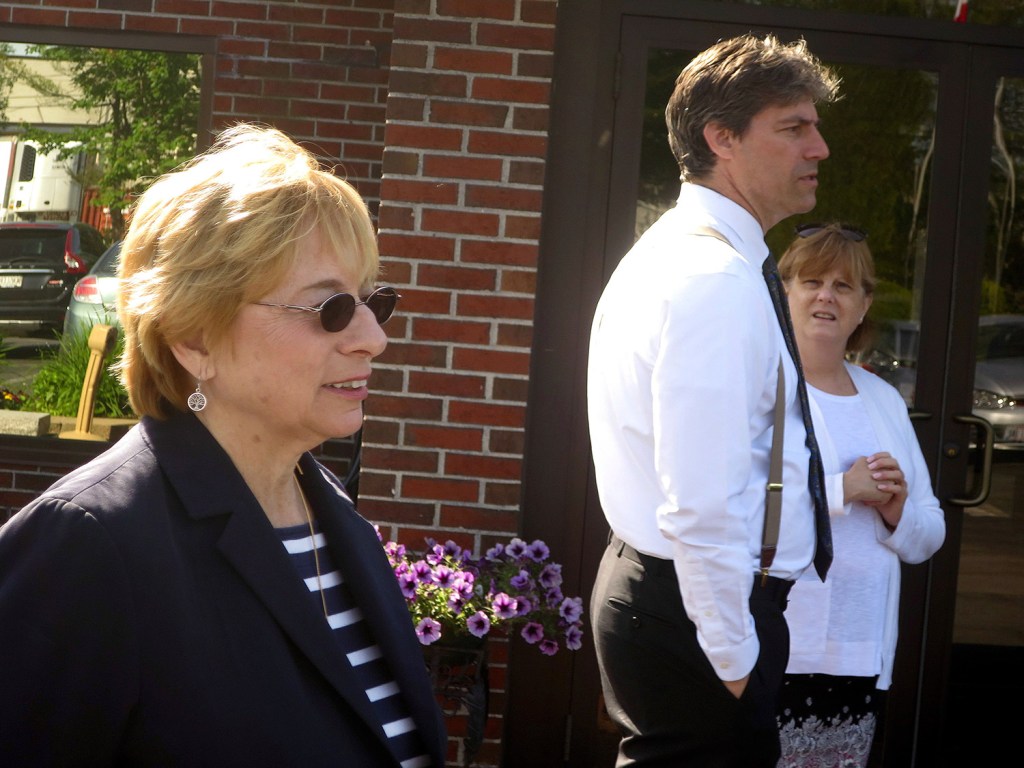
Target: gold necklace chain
{"points": [[312, 539]]}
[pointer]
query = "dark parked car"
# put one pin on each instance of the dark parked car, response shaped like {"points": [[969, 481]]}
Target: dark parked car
{"points": [[40, 262], [94, 299]]}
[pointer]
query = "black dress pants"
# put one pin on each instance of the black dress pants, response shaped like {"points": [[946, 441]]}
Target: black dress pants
{"points": [[660, 688]]}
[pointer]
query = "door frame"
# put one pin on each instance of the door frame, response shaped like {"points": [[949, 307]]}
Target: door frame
{"points": [[583, 235]]}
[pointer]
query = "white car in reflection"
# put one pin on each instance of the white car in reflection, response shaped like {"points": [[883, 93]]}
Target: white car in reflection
{"points": [[998, 373]]}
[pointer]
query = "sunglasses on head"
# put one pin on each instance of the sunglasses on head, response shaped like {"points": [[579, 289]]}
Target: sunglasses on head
{"points": [[337, 311], [851, 233]]}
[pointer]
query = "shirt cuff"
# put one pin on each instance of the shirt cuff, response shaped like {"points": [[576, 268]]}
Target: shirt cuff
{"points": [[736, 662], [835, 493]]}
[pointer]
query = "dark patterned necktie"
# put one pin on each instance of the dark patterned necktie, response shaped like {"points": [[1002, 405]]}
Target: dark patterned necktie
{"points": [[815, 473]]}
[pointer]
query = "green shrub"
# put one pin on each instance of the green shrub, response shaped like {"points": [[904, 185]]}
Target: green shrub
{"points": [[57, 388]]}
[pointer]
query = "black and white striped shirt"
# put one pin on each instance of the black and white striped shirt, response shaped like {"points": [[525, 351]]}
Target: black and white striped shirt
{"points": [[358, 647]]}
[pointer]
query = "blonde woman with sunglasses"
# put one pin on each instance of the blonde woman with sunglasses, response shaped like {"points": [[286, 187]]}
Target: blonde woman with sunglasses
{"points": [[204, 593]]}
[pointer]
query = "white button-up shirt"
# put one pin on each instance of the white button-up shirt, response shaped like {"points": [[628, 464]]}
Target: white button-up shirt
{"points": [[684, 357]]}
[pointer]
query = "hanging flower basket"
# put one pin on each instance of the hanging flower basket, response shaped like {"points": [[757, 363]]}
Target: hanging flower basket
{"points": [[456, 601], [453, 595], [458, 672]]}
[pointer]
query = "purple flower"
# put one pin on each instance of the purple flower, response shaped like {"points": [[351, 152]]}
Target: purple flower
{"points": [[451, 592], [532, 633], [456, 602], [548, 647], [571, 609], [428, 631], [524, 606], [521, 580], [574, 638], [436, 555], [554, 597], [504, 606], [407, 583], [478, 624], [452, 550], [538, 551], [444, 577], [551, 576], [422, 570], [516, 548]]}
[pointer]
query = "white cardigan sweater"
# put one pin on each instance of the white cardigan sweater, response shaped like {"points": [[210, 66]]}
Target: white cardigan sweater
{"points": [[919, 534]]}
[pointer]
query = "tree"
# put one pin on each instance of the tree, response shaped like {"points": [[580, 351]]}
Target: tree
{"points": [[7, 77], [149, 107]]}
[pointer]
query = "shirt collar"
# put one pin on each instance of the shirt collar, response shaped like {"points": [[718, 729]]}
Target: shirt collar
{"points": [[709, 208]]}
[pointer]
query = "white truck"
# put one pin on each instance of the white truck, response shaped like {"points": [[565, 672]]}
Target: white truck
{"points": [[38, 186]]}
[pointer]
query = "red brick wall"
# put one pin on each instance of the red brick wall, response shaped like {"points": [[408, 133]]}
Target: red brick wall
{"points": [[437, 110], [459, 224]]}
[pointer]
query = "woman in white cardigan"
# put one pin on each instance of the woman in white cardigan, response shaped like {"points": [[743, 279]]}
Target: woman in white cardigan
{"points": [[883, 511]]}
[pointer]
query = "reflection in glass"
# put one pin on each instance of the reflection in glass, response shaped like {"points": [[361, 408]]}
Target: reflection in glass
{"points": [[1002, 13], [990, 587]]}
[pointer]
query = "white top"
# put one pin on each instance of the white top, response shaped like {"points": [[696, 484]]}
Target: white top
{"points": [[848, 625], [684, 356]]}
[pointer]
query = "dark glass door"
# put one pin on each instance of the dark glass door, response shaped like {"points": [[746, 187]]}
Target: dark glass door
{"points": [[925, 145]]}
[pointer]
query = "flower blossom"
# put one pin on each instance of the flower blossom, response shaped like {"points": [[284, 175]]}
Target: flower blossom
{"points": [[532, 633], [571, 609], [554, 597], [452, 550], [551, 576], [538, 551], [548, 647], [504, 606], [444, 577], [407, 582], [574, 638], [422, 570], [523, 606], [428, 631], [516, 548], [521, 580], [478, 624]]}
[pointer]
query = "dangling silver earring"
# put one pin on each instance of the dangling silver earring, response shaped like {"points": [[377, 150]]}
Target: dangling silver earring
{"points": [[197, 400]]}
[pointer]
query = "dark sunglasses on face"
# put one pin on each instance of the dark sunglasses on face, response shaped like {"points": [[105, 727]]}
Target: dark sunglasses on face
{"points": [[338, 310], [851, 233]]}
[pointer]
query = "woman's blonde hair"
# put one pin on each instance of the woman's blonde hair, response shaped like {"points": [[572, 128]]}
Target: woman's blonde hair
{"points": [[216, 234], [831, 247]]}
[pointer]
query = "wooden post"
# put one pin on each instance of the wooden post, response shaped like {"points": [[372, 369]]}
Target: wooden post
{"points": [[101, 343]]}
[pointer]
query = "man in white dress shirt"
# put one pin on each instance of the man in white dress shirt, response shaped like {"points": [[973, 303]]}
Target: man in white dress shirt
{"points": [[684, 360]]}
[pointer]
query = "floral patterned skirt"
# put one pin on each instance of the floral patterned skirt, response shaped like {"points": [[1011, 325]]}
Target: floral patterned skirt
{"points": [[827, 721]]}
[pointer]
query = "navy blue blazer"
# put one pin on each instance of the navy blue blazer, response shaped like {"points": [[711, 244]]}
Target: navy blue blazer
{"points": [[150, 616]]}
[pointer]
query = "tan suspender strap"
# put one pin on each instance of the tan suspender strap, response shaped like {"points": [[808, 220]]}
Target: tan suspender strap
{"points": [[773, 491], [709, 232]]}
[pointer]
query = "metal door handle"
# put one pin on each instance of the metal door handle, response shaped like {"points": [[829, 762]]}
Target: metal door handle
{"points": [[986, 465]]}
